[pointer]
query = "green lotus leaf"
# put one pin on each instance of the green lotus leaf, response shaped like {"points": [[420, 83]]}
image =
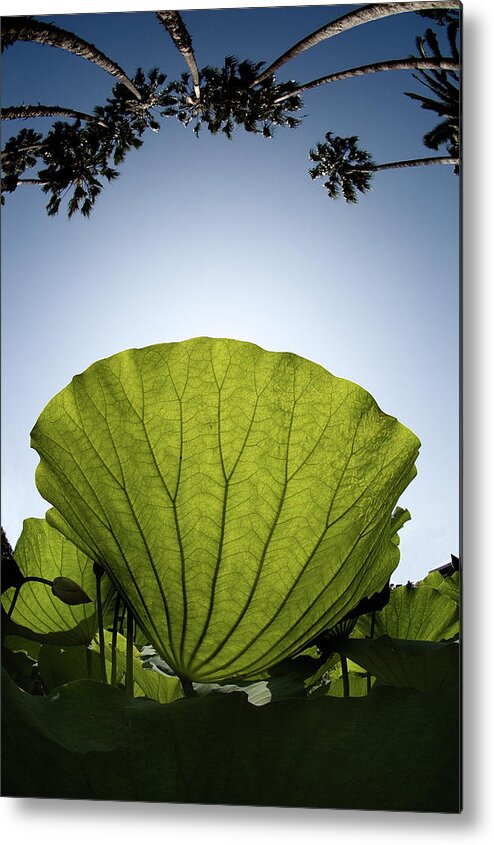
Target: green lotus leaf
{"points": [[60, 665], [422, 665], [240, 499], [39, 614], [21, 668], [449, 586], [414, 613]]}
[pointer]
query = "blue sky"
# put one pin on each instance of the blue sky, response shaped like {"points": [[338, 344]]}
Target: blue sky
{"points": [[231, 238]]}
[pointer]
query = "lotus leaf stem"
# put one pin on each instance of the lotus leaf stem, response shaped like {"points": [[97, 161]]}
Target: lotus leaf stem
{"points": [[98, 571], [129, 663], [344, 675], [113, 680]]}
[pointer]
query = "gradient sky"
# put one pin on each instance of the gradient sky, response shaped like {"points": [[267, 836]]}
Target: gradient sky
{"points": [[231, 238]]}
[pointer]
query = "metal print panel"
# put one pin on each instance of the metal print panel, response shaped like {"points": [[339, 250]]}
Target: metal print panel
{"points": [[230, 561]]}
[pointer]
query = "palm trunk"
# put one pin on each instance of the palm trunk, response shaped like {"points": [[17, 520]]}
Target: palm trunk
{"points": [[365, 14], [394, 64], [28, 29], [26, 112], [173, 23], [416, 162]]}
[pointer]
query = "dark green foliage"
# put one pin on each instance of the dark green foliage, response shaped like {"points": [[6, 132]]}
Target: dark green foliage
{"points": [[229, 98], [395, 749], [445, 86], [23, 670], [346, 168]]}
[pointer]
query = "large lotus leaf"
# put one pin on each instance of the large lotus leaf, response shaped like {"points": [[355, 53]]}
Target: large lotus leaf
{"points": [[240, 499], [413, 613], [41, 551]]}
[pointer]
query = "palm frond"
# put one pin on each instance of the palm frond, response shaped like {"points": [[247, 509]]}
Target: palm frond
{"points": [[444, 85]]}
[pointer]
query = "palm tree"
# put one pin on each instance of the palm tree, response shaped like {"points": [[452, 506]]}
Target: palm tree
{"points": [[173, 23], [393, 64], [73, 157], [365, 14], [76, 157], [237, 94], [228, 100], [228, 97], [28, 29], [348, 169]]}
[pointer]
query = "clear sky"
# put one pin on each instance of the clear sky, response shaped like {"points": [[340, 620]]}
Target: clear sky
{"points": [[231, 238]]}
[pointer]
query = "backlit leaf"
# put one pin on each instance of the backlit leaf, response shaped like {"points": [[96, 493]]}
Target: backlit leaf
{"points": [[240, 499], [449, 586], [41, 551], [414, 613]]}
